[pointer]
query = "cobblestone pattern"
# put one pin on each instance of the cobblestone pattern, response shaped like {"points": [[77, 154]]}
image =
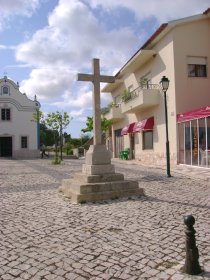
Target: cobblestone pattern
{"points": [[43, 236]]}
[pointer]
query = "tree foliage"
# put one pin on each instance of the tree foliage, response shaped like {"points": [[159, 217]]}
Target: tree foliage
{"points": [[105, 124], [56, 120], [47, 136], [38, 116]]}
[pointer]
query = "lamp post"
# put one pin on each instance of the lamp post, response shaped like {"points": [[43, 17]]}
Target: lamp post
{"points": [[61, 136], [164, 85]]}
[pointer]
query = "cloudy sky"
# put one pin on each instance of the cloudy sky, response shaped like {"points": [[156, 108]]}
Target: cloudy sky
{"points": [[44, 43]]}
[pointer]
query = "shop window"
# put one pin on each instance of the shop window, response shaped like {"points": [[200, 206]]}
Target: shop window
{"points": [[147, 140], [197, 67], [5, 114], [24, 142]]}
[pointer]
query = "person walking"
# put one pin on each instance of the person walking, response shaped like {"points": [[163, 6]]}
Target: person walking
{"points": [[43, 151]]}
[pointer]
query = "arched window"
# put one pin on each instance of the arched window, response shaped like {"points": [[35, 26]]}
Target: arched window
{"points": [[5, 90]]}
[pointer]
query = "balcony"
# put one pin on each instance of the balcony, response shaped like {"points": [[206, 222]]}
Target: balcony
{"points": [[141, 98], [114, 113]]}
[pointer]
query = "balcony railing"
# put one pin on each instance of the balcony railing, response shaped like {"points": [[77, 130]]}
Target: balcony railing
{"points": [[142, 97], [112, 113], [135, 93]]}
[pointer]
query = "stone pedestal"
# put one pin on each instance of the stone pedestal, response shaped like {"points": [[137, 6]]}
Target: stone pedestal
{"points": [[98, 180]]}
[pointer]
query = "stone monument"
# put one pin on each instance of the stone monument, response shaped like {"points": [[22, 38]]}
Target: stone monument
{"points": [[98, 180]]}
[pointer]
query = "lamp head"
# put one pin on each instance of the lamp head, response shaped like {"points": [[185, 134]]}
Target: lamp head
{"points": [[164, 82]]}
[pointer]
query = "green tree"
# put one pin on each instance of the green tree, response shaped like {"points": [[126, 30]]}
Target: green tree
{"points": [[47, 135], [38, 116], [57, 122], [105, 124], [84, 138]]}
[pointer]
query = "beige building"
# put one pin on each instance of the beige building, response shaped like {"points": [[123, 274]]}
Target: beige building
{"points": [[179, 50], [19, 133]]}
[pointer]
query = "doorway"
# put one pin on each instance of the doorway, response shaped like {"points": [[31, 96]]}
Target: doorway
{"points": [[119, 143], [132, 146], [5, 146]]}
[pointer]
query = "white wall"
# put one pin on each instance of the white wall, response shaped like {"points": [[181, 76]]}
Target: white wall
{"points": [[21, 121]]}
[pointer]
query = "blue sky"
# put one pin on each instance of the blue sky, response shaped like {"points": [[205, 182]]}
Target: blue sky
{"points": [[45, 43]]}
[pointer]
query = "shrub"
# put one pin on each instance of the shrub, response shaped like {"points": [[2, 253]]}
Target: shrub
{"points": [[56, 160]]}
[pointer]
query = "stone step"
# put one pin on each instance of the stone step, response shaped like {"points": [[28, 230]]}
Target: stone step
{"points": [[109, 177], [99, 191], [77, 187]]}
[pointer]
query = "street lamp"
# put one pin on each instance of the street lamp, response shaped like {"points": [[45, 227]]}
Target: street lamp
{"points": [[164, 85], [61, 136]]}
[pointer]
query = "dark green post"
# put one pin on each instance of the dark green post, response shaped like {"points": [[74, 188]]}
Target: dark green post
{"points": [[165, 84], [192, 265]]}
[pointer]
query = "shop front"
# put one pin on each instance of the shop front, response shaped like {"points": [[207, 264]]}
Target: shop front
{"points": [[194, 137]]}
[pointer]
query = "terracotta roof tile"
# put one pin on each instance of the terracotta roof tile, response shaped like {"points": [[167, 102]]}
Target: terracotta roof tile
{"points": [[155, 34], [206, 11]]}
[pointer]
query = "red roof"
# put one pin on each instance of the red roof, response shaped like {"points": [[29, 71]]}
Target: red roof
{"points": [[206, 11], [152, 37], [155, 34], [144, 125], [193, 115]]}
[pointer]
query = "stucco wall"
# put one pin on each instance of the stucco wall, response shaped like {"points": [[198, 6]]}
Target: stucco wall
{"points": [[191, 39], [161, 64], [184, 38], [21, 121]]}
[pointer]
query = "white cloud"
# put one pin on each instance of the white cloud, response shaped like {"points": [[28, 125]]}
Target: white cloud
{"points": [[76, 114], [11, 8], [72, 38], [3, 47], [75, 34], [162, 10], [82, 100], [46, 84]]}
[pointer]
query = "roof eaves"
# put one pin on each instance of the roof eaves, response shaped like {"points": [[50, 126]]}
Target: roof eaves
{"points": [[154, 35], [206, 12]]}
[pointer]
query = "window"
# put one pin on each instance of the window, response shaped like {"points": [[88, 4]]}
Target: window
{"points": [[5, 114], [196, 66], [147, 140], [24, 142], [5, 90]]}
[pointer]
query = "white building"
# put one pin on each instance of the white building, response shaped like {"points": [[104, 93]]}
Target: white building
{"points": [[19, 133]]}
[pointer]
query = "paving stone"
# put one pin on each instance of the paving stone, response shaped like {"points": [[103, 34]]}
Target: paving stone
{"points": [[43, 236]]}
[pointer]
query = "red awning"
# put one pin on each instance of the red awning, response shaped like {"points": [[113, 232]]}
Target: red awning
{"points": [[144, 125], [127, 129], [195, 114]]}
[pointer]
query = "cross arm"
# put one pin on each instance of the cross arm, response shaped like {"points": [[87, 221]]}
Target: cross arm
{"points": [[107, 79], [84, 77]]}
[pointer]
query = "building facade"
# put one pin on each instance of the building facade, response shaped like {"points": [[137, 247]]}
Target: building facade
{"points": [[179, 50], [19, 132]]}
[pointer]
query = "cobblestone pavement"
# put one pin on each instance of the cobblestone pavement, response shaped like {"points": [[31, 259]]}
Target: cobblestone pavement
{"points": [[43, 236]]}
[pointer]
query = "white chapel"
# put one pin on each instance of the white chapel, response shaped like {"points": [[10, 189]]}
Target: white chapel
{"points": [[19, 132]]}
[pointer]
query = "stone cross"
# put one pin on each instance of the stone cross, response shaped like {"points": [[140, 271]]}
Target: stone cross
{"points": [[96, 79]]}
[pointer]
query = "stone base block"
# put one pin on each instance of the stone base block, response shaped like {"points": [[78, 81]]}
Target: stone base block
{"points": [[108, 177], [98, 169], [98, 154], [90, 192]]}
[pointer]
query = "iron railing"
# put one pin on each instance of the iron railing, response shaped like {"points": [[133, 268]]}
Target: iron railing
{"points": [[136, 92], [106, 110]]}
